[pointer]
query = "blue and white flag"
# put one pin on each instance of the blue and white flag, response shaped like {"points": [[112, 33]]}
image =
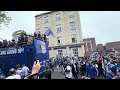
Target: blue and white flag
{"points": [[49, 32], [40, 47]]}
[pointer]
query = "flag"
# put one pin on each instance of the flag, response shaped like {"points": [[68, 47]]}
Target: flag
{"points": [[49, 32]]}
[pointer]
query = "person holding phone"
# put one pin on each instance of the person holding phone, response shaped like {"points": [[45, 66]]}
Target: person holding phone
{"points": [[35, 71]]}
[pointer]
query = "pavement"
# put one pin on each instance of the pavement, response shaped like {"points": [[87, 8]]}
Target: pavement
{"points": [[57, 74]]}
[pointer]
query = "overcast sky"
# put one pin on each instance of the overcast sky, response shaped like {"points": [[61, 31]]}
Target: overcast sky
{"points": [[103, 25]]}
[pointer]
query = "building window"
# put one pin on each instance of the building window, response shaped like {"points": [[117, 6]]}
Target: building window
{"points": [[38, 20], [38, 26], [57, 16], [16, 38], [58, 28], [74, 38], [71, 14], [45, 29], [59, 40], [46, 19], [75, 51], [60, 53], [72, 25], [48, 41], [38, 30]]}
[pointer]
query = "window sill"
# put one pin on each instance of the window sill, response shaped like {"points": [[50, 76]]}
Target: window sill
{"points": [[74, 42], [58, 31], [71, 16], [59, 44], [72, 29], [58, 20], [45, 23]]}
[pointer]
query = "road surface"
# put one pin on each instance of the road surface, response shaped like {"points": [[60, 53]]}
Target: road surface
{"points": [[57, 74]]}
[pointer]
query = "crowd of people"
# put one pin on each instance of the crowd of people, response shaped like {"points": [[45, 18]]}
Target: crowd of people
{"points": [[22, 40], [89, 67], [18, 73], [107, 67], [25, 73], [22, 72], [40, 36]]}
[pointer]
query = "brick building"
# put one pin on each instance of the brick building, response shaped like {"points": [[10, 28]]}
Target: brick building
{"points": [[113, 46], [101, 49], [90, 44]]}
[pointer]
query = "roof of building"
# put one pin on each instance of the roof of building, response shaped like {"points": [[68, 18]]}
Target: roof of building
{"points": [[99, 44], [117, 42], [89, 38], [18, 31], [44, 13]]}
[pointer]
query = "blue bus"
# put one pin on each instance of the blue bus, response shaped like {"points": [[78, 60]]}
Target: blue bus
{"points": [[24, 54]]}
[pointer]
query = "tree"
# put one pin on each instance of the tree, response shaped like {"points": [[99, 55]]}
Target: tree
{"points": [[4, 18]]}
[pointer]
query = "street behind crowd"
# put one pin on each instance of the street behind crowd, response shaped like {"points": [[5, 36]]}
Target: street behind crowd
{"points": [[57, 74]]}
